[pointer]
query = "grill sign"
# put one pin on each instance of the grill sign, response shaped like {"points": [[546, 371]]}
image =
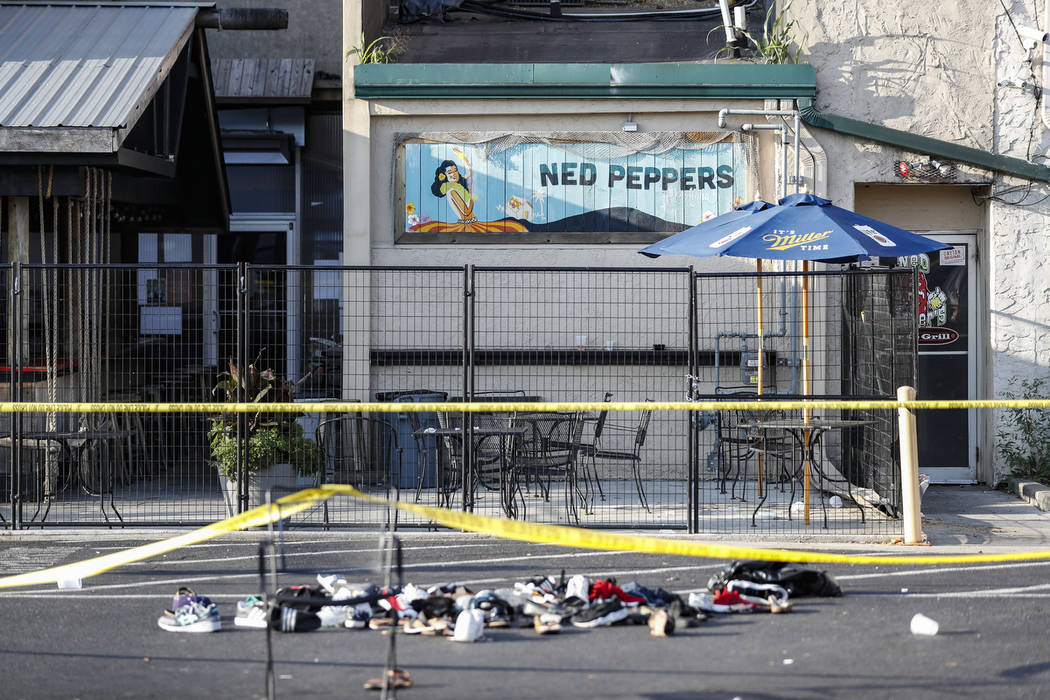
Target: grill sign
{"points": [[937, 336]]}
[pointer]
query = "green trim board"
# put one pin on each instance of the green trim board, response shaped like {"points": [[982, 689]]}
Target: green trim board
{"points": [[921, 144], [583, 80]]}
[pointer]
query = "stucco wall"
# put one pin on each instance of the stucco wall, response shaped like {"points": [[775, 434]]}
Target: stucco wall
{"points": [[915, 65], [939, 69], [1019, 278]]}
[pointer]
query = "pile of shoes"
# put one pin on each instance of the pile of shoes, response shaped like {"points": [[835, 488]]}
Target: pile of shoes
{"points": [[544, 603]]}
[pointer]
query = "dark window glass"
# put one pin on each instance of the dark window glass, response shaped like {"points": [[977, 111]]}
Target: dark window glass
{"points": [[322, 212], [262, 188]]}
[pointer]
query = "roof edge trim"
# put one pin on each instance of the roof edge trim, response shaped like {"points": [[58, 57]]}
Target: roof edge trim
{"points": [[582, 80], [921, 144]]}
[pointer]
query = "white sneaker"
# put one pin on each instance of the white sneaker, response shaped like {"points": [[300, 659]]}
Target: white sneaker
{"points": [[191, 617], [250, 613], [330, 582], [333, 615], [578, 587], [358, 616]]}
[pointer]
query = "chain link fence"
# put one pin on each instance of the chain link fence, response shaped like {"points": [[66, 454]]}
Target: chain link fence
{"points": [[195, 333]]}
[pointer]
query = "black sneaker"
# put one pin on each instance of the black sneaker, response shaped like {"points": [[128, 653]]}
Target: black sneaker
{"points": [[308, 598], [288, 619], [601, 614]]}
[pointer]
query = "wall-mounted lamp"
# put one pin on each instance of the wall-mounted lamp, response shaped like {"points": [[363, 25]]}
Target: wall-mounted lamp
{"points": [[924, 169], [630, 126], [1020, 84]]}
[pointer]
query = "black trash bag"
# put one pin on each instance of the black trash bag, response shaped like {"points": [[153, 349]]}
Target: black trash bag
{"points": [[798, 581], [305, 598]]}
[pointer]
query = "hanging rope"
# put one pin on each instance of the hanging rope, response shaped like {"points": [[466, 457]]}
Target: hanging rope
{"points": [[80, 292], [49, 356]]}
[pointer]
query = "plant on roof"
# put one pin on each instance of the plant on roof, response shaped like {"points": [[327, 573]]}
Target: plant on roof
{"points": [[381, 50], [776, 45], [1023, 438], [273, 437]]}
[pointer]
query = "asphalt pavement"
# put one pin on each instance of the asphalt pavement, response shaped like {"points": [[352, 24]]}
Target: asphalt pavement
{"points": [[102, 641]]}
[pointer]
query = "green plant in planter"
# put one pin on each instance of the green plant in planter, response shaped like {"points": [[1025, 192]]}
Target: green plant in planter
{"points": [[1024, 435], [273, 438], [776, 44]]}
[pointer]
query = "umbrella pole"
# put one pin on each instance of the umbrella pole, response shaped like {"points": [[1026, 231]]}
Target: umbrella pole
{"points": [[761, 362], [805, 387]]}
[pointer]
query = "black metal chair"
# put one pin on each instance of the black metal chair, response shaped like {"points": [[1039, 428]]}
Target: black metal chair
{"points": [[633, 456], [426, 453], [550, 450], [589, 449], [364, 452], [737, 444]]}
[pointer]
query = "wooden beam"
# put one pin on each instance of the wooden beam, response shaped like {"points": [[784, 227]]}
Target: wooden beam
{"points": [[145, 162], [21, 181]]}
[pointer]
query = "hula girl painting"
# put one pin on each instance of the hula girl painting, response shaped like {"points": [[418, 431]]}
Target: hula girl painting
{"points": [[454, 186], [447, 183]]}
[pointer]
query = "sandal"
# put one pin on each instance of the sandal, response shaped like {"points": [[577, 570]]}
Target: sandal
{"points": [[380, 623], [661, 624], [394, 678], [549, 625], [417, 625]]}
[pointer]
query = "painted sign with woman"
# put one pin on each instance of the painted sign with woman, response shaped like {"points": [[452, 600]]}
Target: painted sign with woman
{"points": [[578, 187]]}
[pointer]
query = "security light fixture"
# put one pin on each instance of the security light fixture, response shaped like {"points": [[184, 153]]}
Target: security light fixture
{"points": [[924, 169], [630, 126]]}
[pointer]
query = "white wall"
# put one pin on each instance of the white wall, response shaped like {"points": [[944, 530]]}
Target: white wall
{"points": [[933, 69]]}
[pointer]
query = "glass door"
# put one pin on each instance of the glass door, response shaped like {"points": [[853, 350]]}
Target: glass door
{"points": [[947, 363], [268, 243]]}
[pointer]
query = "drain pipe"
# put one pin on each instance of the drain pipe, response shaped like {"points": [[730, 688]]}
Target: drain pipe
{"points": [[722, 113], [797, 179], [1043, 82], [781, 333]]}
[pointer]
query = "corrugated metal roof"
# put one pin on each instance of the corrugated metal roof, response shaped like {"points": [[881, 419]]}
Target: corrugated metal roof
{"points": [[85, 65], [281, 79]]}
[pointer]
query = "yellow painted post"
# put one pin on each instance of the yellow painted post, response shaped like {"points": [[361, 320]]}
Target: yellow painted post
{"points": [[909, 468], [761, 361], [805, 389]]}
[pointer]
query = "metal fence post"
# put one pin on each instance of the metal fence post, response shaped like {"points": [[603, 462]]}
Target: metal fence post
{"points": [[693, 435], [467, 445], [242, 367], [15, 351]]}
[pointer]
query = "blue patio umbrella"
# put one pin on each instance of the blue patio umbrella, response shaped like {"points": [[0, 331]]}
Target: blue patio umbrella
{"points": [[801, 227]]}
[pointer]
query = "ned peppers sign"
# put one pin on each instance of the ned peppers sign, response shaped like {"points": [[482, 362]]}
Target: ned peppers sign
{"points": [[568, 187]]}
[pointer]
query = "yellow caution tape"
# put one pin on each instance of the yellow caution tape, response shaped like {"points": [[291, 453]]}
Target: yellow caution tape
{"points": [[256, 517], [511, 407], [499, 527]]}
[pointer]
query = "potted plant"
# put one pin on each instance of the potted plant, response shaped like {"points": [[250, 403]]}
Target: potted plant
{"points": [[279, 452]]}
